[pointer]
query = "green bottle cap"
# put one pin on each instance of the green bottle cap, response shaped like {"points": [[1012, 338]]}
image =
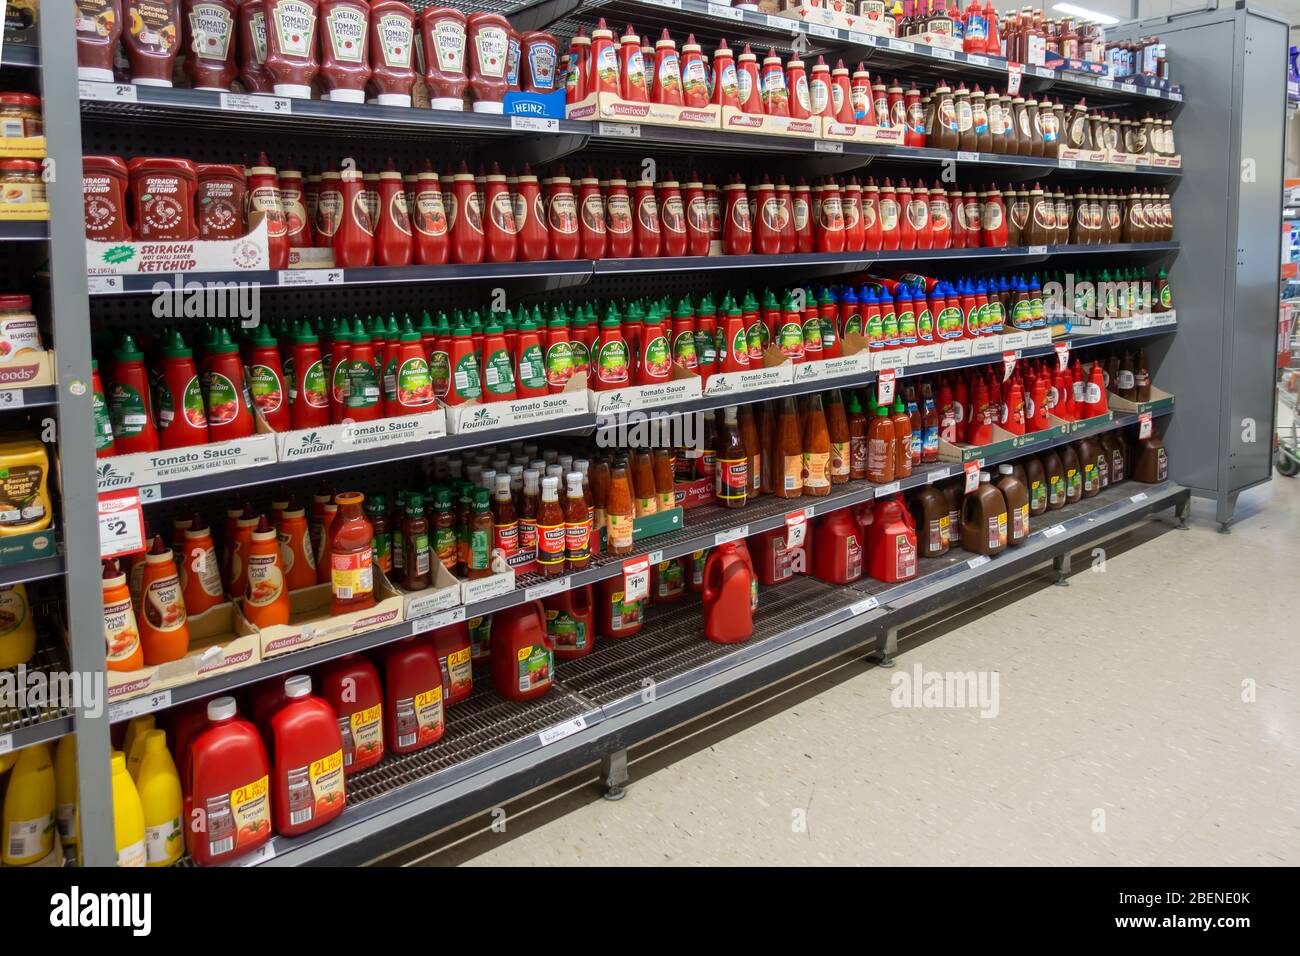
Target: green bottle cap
{"points": [[375, 505], [883, 412], [261, 338], [173, 346], [305, 335], [442, 498], [220, 343], [898, 404], [426, 324], [852, 403], [750, 304], [769, 300], [442, 326], [480, 499], [706, 306], [415, 504]]}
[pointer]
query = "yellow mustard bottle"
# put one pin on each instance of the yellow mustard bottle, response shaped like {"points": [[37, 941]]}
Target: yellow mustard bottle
{"points": [[24, 495], [29, 808], [128, 815], [160, 795], [17, 629], [65, 790]]}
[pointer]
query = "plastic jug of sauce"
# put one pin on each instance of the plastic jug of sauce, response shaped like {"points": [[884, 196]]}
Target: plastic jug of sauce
{"points": [[616, 617], [225, 774], [929, 509], [728, 581], [413, 705], [308, 760], [523, 653], [984, 519], [1016, 496], [1073, 471], [571, 622], [776, 562], [838, 556], [1036, 482], [891, 541], [350, 685], [1152, 461]]}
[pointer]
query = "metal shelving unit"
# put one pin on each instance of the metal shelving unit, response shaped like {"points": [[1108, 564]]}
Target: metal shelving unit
{"points": [[494, 750]]}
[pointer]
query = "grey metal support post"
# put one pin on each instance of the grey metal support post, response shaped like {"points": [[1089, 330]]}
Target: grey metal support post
{"points": [[613, 774], [1061, 565], [1183, 511], [70, 306], [884, 655]]}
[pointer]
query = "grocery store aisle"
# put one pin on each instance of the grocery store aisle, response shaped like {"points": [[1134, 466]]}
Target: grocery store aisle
{"points": [[1121, 735]]}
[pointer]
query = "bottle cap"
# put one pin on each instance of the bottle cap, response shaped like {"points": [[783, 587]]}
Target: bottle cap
{"points": [[299, 685], [1005, 469], [222, 708]]}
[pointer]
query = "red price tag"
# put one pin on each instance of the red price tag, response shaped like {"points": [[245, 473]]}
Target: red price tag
{"points": [[121, 523], [1013, 78], [1008, 364], [1144, 425], [796, 529], [1062, 354], [885, 386], [636, 579], [972, 476]]}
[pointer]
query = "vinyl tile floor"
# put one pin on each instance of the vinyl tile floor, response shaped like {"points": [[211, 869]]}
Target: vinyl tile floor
{"points": [[1147, 714]]}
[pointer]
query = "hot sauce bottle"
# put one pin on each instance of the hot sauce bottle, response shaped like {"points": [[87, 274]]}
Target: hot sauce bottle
{"points": [[291, 46]]}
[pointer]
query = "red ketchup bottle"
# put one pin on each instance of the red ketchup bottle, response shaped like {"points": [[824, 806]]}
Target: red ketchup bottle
{"points": [[728, 583], [591, 218], [819, 88], [767, 221], [646, 220], [562, 218], [830, 232], [224, 390], [803, 217], [666, 87], [291, 46], [631, 68], [467, 242], [308, 760], [672, 218], [432, 245], [488, 40], [695, 83], [354, 240], [344, 50], [697, 218], [864, 112], [619, 219], [443, 32], [796, 81], [209, 28], [737, 229], [413, 696], [579, 68], [855, 236], [266, 379], [394, 245], [726, 84], [775, 96], [842, 95], [264, 197], [182, 419], [350, 685], [309, 394], [539, 60], [749, 87], [252, 48], [226, 777], [392, 42], [499, 219], [530, 218]]}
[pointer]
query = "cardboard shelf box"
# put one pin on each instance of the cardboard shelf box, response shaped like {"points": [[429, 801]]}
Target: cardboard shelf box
{"points": [[312, 622], [607, 106]]}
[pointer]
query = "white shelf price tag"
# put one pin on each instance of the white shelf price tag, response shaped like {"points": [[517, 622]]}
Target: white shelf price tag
{"points": [[884, 491], [6, 743], [103, 285], [940, 53], [937, 474], [731, 534], [1009, 364], [827, 146], [979, 562], [817, 30], [966, 156], [902, 46], [1014, 73], [1066, 163], [1054, 530], [106, 92], [636, 579], [623, 130], [978, 59], [972, 469], [538, 591], [1037, 250], [139, 706], [567, 729], [296, 277], [863, 606], [885, 386], [150, 493], [1138, 498], [121, 523], [1144, 425], [246, 103], [1062, 355], [796, 529], [727, 12], [535, 124], [656, 558], [12, 398], [263, 853], [431, 622]]}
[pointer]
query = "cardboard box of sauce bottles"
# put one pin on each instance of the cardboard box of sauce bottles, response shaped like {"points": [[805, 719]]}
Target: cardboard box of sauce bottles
{"points": [[608, 106], [221, 640], [736, 120], [681, 386], [776, 370], [312, 622], [475, 417], [1158, 401]]}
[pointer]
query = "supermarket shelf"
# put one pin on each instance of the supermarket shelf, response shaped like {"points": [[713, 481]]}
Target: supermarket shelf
{"points": [[714, 19], [403, 799], [223, 481], [34, 570], [705, 526], [24, 230], [579, 271], [27, 725], [21, 56], [28, 397], [118, 104]]}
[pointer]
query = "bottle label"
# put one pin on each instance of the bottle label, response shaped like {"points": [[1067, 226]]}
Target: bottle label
{"points": [[396, 37], [619, 531], [381, 552], [1073, 483], [551, 542], [577, 540], [363, 735], [535, 667], [499, 373], [120, 630], [417, 546], [315, 789], [997, 531], [840, 464], [465, 379], [505, 537], [568, 632], [444, 543], [238, 818], [479, 549], [611, 362], [419, 719], [491, 44], [816, 468], [295, 26], [347, 28], [351, 575], [904, 557], [731, 479], [29, 839], [625, 614]]}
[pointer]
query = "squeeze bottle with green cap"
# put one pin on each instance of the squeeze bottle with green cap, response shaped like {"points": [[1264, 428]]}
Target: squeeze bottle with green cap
{"points": [[308, 393], [611, 360], [683, 335], [340, 347], [413, 386], [559, 353], [440, 357], [498, 364], [129, 400], [530, 380], [464, 385], [266, 379], [224, 390], [182, 419]]}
